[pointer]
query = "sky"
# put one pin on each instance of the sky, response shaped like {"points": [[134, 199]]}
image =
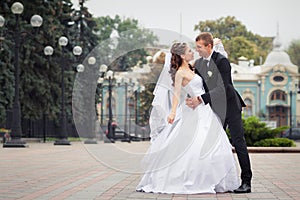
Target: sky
{"points": [[263, 17]]}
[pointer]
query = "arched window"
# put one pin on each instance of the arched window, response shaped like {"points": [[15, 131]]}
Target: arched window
{"points": [[248, 108], [278, 95]]}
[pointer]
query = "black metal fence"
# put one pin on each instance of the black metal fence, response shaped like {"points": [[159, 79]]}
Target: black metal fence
{"points": [[41, 128], [45, 128]]}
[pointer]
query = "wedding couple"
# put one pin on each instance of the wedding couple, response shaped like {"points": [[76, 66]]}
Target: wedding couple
{"points": [[190, 152]]}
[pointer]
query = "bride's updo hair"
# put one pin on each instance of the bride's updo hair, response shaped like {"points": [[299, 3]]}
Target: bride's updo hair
{"points": [[177, 50]]}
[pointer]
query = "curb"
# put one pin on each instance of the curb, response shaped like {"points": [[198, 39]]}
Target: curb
{"points": [[272, 150]]}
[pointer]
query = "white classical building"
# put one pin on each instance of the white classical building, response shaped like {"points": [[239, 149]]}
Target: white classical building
{"points": [[270, 90]]}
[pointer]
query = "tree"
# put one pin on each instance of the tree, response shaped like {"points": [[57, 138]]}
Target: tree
{"points": [[6, 62], [41, 83], [240, 46], [294, 52], [232, 31], [26, 59], [40, 76], [123, 45], [128, 47]]}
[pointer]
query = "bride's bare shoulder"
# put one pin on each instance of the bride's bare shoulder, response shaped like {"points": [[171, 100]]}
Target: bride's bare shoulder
{"points": [[180, 72]]}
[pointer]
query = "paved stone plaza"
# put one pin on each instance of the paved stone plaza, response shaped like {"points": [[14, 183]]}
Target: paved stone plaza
{"points": [[100, 171]]}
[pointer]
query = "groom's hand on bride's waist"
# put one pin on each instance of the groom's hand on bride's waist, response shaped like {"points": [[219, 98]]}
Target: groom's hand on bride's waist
{"points": [[193, 102]]}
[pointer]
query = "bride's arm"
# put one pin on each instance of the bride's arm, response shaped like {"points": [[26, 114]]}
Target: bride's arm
{"points": [[176, 96]]}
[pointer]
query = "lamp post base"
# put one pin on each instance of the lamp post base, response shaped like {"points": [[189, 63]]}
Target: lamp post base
{"points": [[15, 143], [108, 140], [62, 142], [90, 141], [126, 140]]}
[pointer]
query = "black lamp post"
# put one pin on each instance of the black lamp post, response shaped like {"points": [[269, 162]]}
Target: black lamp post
{"points": [[126, 81], [91, 119], [291, 102], [102, 71], [110, 133], [16, 130], [136, 106], [77, 51], [140, 88], [100, 82], [63, 137]]}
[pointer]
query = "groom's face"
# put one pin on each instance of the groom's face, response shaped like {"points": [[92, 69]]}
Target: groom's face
{"points": [[204, 51]]}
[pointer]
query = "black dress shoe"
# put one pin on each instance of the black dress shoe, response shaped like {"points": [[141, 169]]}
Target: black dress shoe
{"points": [[244, 188]]}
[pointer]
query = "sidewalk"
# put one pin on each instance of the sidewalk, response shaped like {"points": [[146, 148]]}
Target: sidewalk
{"points": [[110, 171]]}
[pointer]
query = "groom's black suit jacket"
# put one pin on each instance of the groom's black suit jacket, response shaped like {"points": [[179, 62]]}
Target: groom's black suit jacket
{"points": [[220, 93]]}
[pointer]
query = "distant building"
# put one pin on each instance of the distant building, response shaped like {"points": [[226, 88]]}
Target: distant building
{"points": [[270, 90]]}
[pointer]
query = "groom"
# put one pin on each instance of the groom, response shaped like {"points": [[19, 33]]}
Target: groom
{"points": [[215, 70]]}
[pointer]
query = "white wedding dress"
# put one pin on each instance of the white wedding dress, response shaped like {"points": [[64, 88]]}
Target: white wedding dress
{"points": [[193, 155]]}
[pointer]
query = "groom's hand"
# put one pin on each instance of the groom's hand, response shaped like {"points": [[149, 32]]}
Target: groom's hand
{"points": [[193, 102]]}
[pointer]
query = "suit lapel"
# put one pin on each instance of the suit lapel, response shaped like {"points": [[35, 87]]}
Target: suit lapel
{"points": [[212, 65], [198, 67], [199, 70], [202, 70]]}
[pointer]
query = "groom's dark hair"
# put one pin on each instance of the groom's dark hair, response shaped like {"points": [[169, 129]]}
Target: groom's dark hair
{"points": [[206, 37]]}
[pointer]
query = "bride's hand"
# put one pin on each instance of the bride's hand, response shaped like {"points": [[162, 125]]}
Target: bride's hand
{"points": [[217, 41], [171, 118], [192, 102]]}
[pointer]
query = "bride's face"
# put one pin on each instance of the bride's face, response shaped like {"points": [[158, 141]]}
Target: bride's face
{"points": [[189, 54]]}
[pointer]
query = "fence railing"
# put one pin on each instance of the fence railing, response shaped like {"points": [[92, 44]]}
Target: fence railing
{"points": [[40, 128], [45, 128]]}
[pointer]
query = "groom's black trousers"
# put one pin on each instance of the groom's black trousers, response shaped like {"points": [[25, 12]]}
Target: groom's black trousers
{"points": [[235, 125]]}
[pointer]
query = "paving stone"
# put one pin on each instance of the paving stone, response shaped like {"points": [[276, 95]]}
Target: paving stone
{"points": [[47, 171]]}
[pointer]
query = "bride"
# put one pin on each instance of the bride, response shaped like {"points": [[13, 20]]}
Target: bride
{"points": [[191, 154]]}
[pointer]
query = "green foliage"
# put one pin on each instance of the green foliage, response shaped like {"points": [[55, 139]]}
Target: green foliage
{"points": [[40, 77], [256, 131], [127, 49], [237, 40], [294, 52], [275, 142], [6, 62], [146, 98], [241, 46], [128, 45]]}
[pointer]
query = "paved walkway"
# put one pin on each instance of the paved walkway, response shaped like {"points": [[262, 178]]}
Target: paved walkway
{"points": [[109, 171]]}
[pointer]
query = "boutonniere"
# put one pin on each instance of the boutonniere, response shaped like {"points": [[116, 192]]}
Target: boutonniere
{"points": [[209, 73]]}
